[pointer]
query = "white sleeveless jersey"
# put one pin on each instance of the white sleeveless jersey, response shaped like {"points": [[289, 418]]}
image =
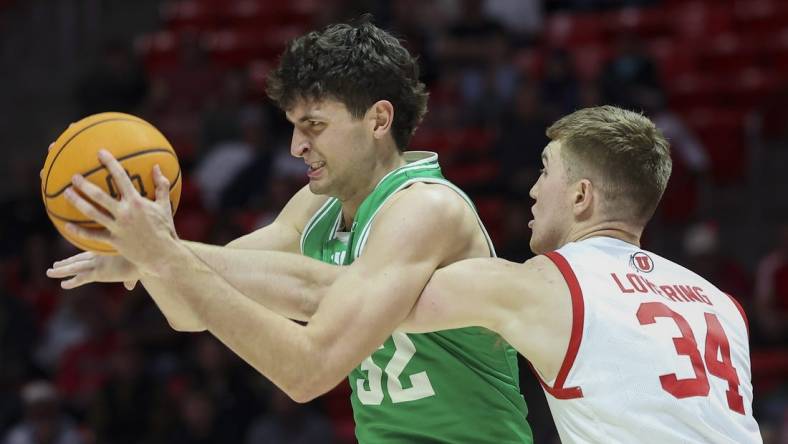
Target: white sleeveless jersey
{"points": [[657, 354]]}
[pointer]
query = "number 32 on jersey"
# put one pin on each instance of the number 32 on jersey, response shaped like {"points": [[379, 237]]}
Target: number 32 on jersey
{"points": [[420, 386]]}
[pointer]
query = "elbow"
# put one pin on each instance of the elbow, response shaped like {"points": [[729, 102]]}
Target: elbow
{"points": [[307, 389], [301, 393], [302, 396], [184, 327]]}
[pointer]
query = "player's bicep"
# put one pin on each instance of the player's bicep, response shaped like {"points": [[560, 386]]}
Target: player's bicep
{"points": [[273, 237], [376, 292], [473, 292]]}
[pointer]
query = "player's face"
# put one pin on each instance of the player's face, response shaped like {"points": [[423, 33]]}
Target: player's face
{"points": [[336, 147], [552, 210]]}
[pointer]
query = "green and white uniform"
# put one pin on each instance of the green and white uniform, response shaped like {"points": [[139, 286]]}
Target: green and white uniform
{"points": [[456, 386]]}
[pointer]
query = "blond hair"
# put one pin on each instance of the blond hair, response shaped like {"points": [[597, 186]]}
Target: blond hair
{"points": [[621, 152]]}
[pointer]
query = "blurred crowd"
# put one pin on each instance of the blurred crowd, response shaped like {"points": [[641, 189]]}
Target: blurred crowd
{"points": [[99, 364]]}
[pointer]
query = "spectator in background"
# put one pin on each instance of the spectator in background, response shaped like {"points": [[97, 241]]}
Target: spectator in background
{"points": [[234, 171], [224, 383], [33, 287], [222, 114], [701, 245], [44, 422], [560, 88], [689, 180], [771, 290], [18, 335], [197, 423], [64, 329], [522, 18], [515, 237], [192, 80], [467, 40], [417, 23], [479, 47], [116, 83], [20, 206], [522, 137], [122, 411], [288, 422], [84, 366], [180, 93], [591, 5], [628, 73]]}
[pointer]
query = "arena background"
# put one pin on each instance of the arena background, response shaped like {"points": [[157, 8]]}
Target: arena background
{"points": [[100, 365]]}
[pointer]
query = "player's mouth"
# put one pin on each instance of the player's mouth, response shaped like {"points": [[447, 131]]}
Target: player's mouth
{"points": [[315, 169], [531, 222]]}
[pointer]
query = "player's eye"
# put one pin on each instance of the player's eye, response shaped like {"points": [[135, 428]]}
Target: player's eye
{"points": [[315, 123]]}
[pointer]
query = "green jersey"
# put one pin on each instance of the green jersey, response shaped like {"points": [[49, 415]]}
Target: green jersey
{"points": [[456, 386]]}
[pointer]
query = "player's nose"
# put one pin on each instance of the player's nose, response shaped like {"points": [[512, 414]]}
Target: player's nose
{"points": [[532, 191], [299, 145]]}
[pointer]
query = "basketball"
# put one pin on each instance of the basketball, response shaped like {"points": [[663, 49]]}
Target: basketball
{"points": [[135, 143]]}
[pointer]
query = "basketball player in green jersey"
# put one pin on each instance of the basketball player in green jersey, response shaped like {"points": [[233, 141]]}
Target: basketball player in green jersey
{"points": [[353, 96]]}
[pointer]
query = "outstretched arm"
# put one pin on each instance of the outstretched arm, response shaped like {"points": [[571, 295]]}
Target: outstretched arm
{"points": [[359, 311], [527, 304], [266, 277]]}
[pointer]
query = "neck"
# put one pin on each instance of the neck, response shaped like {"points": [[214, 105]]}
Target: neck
{"points": [[617, 230], [381, 167]]}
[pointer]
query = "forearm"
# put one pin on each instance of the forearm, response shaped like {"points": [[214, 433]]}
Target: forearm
{"points": [[179, 314], [286, 283], [277, 347]]}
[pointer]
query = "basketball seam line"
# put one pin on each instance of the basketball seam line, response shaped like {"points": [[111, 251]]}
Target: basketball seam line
{"points": [[102, 167], [62, 148], [84, 221]]}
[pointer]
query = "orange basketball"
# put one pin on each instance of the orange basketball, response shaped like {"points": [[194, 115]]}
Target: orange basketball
{"points": [[136, 144]]}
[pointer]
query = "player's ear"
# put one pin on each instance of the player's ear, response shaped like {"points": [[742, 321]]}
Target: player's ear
{"points": [[381, 115], [583, 198]]}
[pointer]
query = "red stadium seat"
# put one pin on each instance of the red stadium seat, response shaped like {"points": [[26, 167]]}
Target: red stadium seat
{"points": [[762, 15], [573, 29], [258, 74], [266, 13], [673, 58], [237, 47], [191, 14], [647, 23], [698, 20], [590, 59], [158, 51]]}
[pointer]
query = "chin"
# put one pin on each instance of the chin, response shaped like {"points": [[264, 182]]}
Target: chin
{"points": [[537, 249], [317, 188], [540, 245]]}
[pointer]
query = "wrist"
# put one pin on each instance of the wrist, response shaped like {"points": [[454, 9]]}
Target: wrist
{"points": [[172, 255]]}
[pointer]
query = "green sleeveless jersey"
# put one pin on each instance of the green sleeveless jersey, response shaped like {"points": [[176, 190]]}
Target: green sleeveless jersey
{"points": [[456, 386]]}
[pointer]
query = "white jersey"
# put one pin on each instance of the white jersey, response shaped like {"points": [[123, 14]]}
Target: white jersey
{"points": [[657, 354]]}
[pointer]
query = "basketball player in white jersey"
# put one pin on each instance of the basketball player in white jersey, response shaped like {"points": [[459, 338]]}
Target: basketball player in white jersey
{"points": [[629, 346]]}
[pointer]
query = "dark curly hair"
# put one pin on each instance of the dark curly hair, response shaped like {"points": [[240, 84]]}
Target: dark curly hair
{"points": [[356, 64]]}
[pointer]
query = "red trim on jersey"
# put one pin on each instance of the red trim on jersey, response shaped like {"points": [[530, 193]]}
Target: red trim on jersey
{"points": [[558, 390], [741, 310]]}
